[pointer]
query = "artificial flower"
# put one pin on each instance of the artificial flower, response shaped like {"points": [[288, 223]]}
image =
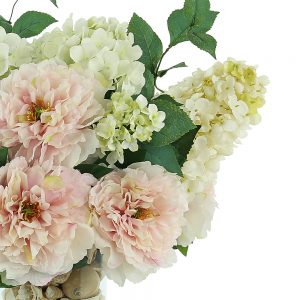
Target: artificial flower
{"points": [[137, 217], [223, 101], [14, 52], [46, 111], [43, 221], [126, 123], [102, 47], [198, 218]]}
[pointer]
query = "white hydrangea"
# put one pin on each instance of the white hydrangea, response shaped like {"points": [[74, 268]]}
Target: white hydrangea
{"points": [[224, 101], [126, 123], [96, 45], [199, 175], [14, 52], [202, 206], [231, 88]]}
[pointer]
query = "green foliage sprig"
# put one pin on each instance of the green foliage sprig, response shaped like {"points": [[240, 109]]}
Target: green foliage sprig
{"points": [[29, 24], [170, 147], [32, 23], [191, 23], [3, 285], [3, 156]]}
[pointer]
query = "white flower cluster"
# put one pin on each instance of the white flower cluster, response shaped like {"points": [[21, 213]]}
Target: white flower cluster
{"points": [[199, 176], [224, 101], [14, 51], [126, 122], [102, 47]]}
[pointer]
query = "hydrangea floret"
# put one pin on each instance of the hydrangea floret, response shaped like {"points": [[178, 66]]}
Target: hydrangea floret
{"points": [[127, 122], [100, 46]]}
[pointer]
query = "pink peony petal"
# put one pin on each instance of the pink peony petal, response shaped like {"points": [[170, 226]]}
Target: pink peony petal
{"points": [[138, 214], [43, 221], [45, 113]]}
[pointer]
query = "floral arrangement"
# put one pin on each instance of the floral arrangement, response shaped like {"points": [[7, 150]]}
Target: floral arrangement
{"points": [[102, 172]]}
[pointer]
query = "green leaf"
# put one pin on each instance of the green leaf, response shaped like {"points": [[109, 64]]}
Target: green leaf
{"points": [[203, 41], [84, 261], [3, 285], [184, 145], [163, 156], [32, 23], [189, 10], [132, 157], [183, 250], [205, 23], [177, 122], [178, 25], [96, 170], [5, 24], [148, 89], [54, 2], [204, 18], [108, 94], [3, 156], [148, 40], [196, 10], [81, 264], [192, 23], [164, 72], [199, 13], [168, 98], [201, 5]]}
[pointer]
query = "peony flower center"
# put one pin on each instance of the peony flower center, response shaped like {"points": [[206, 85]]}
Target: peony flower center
{"points": [[144, 213], [30, 210], [35, 111]]}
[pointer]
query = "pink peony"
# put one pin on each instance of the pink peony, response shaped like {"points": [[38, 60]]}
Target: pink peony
{"points": [[45, 113], [43, 221], [137, 217]]}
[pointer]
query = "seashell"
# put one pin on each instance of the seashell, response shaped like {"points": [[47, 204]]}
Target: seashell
{"points": [[98, 297], [98, 270], [91, 255], [24, 292], [60, 279], [29, 292], [53, 293], [82, 284], [10, 294]]}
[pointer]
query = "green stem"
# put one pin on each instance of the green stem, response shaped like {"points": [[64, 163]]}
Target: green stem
{"points": [[158, 67], [12, 10], [162, 91]]}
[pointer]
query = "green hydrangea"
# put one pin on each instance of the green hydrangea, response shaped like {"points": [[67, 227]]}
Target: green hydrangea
{"points": [[127, 122]]}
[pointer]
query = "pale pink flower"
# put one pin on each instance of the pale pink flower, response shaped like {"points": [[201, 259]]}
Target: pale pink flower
{"points": [[44, 219], [137, 217], [45, 113]]}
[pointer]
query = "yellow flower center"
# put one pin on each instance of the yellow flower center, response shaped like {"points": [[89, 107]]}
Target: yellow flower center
{"points": [[35, 111], [144, 213], [208, 82], [30, 210]]}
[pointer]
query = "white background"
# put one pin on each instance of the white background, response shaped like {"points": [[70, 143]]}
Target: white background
{"points": [[253, 250]]}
